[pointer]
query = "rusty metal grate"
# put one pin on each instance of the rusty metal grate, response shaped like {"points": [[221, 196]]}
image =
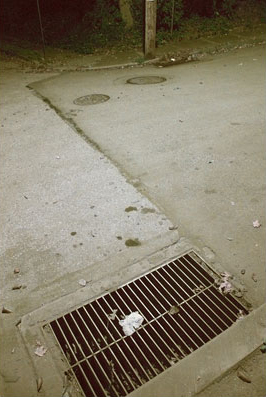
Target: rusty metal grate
{"points": [[182, 309]]}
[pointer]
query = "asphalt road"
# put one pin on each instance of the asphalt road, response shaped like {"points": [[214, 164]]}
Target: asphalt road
{"points": [[82, 184], [193, 144]]}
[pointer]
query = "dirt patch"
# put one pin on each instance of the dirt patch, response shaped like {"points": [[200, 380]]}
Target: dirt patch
{"points": [[132, 242]]}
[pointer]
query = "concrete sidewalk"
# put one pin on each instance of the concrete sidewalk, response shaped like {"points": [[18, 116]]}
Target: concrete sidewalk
{"points": [[64, 208], [188, 143], [82, 209]]}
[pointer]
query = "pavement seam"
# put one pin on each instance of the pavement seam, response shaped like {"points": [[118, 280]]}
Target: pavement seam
{"points": [[79, 131]]}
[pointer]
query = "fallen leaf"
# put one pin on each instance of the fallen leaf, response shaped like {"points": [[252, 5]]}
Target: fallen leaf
{"points": [[225, 285], [243, 377], [40, 351], [5, 310], [39, 382], [254, 277], [17, 286], [256, 223], [226, 275], [174, 227], [174, 310], [112, 315], [240, 314]]}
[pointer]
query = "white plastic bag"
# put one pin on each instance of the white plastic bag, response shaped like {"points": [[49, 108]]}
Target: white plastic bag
{"points": [[131, 322]]}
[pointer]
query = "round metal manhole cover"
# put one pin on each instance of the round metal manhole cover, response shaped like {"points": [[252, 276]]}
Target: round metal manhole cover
{"points": [[146, 80], [92, 99]]}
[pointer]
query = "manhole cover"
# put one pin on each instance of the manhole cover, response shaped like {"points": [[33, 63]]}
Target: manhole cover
{"points": [[146, 80], [182, 309], [92, 99]]}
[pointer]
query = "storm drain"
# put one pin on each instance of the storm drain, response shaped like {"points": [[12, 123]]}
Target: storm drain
{"points": [[182, 308], [92, 99], [146, 80]]}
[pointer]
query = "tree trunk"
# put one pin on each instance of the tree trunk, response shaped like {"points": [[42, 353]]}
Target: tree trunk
{"points": [[124, 6], [150, 28]]}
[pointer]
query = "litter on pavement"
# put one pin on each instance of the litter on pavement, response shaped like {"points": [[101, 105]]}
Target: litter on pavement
{"points": [[131, 322]]}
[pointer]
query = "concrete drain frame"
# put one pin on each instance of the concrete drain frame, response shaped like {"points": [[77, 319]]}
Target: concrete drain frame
{"points": [[146, 361], [182, 308]]}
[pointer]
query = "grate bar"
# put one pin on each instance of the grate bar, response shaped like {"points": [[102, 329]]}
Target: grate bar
{"points": [[169, 306], [187, 268], [181, 314], [94, 340], [140, 336], [163, 330], [101, 367], [124, 340], [232, 302], [85, 341], [102, 350], [188, 303], [161, 315], [107, 330], [113, 343], [136, 346], [105, 362], [229, 318], [67, 344], [70, 348], [198, 306], [158, 335]]}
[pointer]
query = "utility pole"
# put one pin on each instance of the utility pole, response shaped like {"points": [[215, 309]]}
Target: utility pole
{"points": [[40, 21], [150, 28]]}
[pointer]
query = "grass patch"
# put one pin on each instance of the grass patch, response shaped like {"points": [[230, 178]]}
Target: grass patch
{"points": [[20, 50]]}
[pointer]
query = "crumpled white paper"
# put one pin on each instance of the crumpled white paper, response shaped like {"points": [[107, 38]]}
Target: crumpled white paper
{"points": [[256, 223], [131, 322], [225, 286]]}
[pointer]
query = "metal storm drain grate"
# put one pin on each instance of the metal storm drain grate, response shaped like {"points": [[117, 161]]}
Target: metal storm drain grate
{"points": [[146, 80], [182, 309], [92, 99]]}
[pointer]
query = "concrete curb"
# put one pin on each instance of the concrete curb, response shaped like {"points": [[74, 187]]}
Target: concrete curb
{"points": [[198, 370], [51, 366], [198, 54], [189, 376]]}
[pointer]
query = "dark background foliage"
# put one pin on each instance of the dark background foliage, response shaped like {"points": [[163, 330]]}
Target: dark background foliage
{"points": [[86, 24]]}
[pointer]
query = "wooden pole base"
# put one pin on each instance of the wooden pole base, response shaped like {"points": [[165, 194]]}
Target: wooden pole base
{"points": [[150, 28]]}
